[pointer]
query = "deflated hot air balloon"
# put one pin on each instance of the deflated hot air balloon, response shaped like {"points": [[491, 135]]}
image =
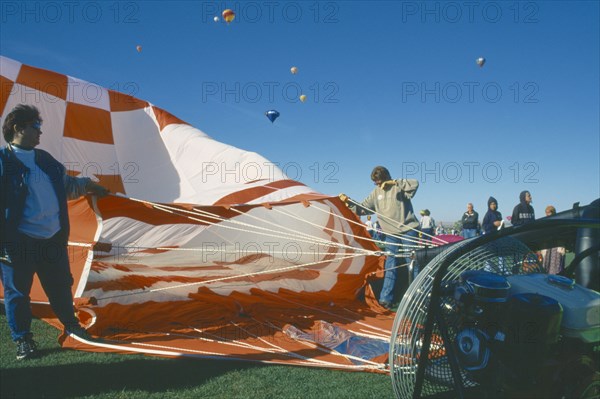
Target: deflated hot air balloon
{"points": [[268, 253], [302, 97], [294, 70], [138, 48], [272, 115], [480, 61], [228, 15]]}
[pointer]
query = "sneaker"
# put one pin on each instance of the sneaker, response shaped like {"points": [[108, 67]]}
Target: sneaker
{"points": [[26, 348], [386, 305]]}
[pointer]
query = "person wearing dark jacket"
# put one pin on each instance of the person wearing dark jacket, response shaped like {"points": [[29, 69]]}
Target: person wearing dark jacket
{"points": [[470, 222], [34, 227], [492, 219], [523, 213]]}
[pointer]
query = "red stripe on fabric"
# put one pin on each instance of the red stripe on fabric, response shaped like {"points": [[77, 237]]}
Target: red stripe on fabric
{"points": [[124, 102], [244, 196], [87, 123], [245, 260], [49, 82], [284, 184], [250, 194], [254, 181], [6, 86], [113, 206], [303, 197], [165, 118], [133, 282]]}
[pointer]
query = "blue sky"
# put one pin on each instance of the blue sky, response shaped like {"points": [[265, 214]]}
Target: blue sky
{"points": [[390, 83]]}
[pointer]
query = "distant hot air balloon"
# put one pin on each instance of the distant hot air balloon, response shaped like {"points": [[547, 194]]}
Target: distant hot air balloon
{"points": [[302, 97], [138, 48], [294, 70], [272, 115], [228, 15], [480, 61], [216, 19]]}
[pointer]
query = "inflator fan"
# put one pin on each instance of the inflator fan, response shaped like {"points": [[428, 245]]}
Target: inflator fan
{"points": [[483, 319]]}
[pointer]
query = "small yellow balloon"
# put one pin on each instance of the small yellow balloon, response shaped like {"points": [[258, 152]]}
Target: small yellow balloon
{"points": [[302, 98], [294, 70], [228, 15]]}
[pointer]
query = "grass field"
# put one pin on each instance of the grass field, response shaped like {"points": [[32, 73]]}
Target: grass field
{"points": [[62, 373]]}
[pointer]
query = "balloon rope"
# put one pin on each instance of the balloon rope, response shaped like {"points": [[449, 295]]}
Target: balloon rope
{"points": [[314, 240], [276, 234], [237, 276], [240, 344], [380, 241], [289, 229], [175, 249], [324, 228], [399, 224], [337, 315], [313, 345]]}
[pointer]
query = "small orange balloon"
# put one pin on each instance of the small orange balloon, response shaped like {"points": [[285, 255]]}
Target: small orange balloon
{"points": [[138, 48], [294, 70], [228, 15]]}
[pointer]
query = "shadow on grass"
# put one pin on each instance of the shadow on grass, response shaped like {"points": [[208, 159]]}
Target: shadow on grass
{"points": [[86, 379]]}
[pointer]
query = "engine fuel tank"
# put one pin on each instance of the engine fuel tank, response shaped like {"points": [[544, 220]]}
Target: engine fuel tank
{"points": [[581, 306]]}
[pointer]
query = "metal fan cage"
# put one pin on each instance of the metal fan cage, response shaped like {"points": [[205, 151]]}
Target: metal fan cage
{"points": [[412, 331]]}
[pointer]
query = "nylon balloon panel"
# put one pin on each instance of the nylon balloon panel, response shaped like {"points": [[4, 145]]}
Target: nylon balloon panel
{"points": [[191, 260]]}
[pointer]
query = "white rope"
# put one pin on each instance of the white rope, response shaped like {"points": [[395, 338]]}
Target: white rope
{"points": [[396, 222], [219, 250], [349, 234], [322, 227], [393, 267], [329, 313], [323, 348], [275, 224], [314, 240], [356, 223], [276, 234], [272, 271]]}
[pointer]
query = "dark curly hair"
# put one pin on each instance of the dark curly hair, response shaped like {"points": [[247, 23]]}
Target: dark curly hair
{"points": [[380, 173], [20, 115]]}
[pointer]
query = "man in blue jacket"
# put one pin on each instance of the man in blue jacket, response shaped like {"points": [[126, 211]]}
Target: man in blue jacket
{"points": [[34, 226]]}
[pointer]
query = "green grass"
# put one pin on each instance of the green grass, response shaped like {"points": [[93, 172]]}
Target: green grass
{"points": [[63, 373]]}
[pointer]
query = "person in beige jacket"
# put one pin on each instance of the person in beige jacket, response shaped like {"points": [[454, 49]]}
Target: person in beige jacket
{"points": [[391, 201]]}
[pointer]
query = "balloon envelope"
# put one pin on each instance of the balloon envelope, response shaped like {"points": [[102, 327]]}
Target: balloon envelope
{"points": [[294, 70], [228, 15], [272, 115], [480, 61], [302, 97], [138, 48]]}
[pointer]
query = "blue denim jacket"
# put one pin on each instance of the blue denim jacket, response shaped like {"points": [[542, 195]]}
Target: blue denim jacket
{"points": [[13, 192]]}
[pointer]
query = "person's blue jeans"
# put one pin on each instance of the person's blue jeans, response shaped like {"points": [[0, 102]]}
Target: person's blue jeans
{"points": [[391, 272], [49, 259], [469, 233], [427, 234]]}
